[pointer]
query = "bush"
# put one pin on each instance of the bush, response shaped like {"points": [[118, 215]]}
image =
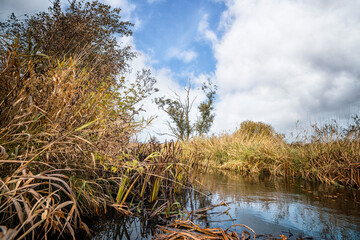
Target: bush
{"points": [[250, 129]]}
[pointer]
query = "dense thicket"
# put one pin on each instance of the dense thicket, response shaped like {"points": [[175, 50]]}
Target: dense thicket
{"points": [[67, 119], [63, 33]]}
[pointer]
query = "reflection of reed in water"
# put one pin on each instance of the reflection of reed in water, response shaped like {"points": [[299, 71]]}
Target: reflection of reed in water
{"points": [[316, 209], [130, 228], [294, 206]]}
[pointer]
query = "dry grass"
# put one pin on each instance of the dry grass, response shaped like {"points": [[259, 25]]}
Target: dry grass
{"points": [[66, 149], [188, 230], [331, 155], [31, 201]]}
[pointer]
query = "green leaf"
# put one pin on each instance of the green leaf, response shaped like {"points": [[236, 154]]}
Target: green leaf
{"points": [[85, 125]]}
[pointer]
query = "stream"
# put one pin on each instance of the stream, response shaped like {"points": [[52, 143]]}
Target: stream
{"points": [[268, 205]]}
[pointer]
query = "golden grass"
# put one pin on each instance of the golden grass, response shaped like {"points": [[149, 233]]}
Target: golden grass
{"points": [[44, 200], [66, 149], [329, 157], [187, 229]]}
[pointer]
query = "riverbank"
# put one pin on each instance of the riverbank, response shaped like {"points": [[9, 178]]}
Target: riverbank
{"points": [[271, 206], [66, 148], [331, 154]]}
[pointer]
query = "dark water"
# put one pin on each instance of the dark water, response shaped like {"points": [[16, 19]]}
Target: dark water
{"points": [[267, 205]]}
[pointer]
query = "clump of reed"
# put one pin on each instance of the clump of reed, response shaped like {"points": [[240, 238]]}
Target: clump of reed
{"points": [[251, 149], [330, 154], [45, 200], [66, 150]]}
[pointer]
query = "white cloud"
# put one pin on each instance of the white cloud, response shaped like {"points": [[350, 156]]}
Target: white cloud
{"points": [[126, 7], [283, 61], [137, 24], [204, 30], [168, 86], [183, 55], [21, 7]]}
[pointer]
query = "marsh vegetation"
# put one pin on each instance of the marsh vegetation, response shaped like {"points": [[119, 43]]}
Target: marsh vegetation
{"points": [[68, 120], [67, 125], [330, 154]]}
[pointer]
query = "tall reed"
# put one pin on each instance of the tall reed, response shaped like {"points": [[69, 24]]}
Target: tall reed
{"points": [[330, 154], [66, 150]]}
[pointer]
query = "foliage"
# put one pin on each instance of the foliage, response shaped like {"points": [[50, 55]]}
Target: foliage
{"points": [[66, 130], [66, 149], [206, 109], [178, 110], [63, 33]]}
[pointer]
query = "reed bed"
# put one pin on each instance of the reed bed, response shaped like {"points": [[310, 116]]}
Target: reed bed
{"points": [[66, 149], [330, 154]]}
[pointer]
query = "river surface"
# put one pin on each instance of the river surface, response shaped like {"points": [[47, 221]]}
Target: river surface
{"points": [[271, 206]]}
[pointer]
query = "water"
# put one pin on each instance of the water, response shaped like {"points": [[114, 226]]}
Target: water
{"points": [[267, 205], [274, 206]]}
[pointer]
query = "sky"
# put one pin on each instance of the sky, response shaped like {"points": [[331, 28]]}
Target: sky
{"points": [[277, 61]]}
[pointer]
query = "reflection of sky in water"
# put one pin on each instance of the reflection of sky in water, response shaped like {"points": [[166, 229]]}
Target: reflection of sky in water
{"points": [[269, 207], [275, 210]]}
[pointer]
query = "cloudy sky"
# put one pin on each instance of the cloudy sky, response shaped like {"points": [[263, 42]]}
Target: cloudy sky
{"points": [[276, 61]]}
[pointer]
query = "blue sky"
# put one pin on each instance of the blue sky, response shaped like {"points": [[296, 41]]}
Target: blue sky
{"points": [[168, 32], [276, 61]]}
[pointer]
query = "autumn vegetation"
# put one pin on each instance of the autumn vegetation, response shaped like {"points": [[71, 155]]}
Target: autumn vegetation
{"points": [[67, 124], [329, 153], [68, 119]]}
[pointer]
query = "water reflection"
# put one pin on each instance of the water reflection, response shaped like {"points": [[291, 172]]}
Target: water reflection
{"points": [[132, 228], [267, 205], [276, 206]]}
